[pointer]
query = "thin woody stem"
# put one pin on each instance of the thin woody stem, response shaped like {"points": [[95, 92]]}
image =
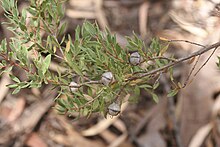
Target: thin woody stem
{"points": [[187, 80], [186, 41], [83, 84], [161, 57], [5, 57], [191, 71], [89, 102], [205, 62], [197, 53]]}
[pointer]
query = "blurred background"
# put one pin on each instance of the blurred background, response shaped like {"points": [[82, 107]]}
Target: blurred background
{"points": [[192, 118]]}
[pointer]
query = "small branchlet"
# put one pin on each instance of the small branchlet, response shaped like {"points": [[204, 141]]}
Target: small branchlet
{"points": [[104, 70]]}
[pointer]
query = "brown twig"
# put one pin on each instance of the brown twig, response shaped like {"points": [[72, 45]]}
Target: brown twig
{"points": [[161, 57], [191, 71], [197, 53], [89, 102], [205, 61], [186, 41], [186, 82], [153, 58], [15, 64], [83, 84], [59, 57]]}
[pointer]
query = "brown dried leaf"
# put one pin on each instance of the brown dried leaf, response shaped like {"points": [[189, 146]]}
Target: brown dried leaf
{"points": [[17, 110], [34, 140]]}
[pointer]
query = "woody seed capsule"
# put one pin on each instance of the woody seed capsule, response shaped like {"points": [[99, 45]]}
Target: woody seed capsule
{"points": [[135, 58], [73, 86], [107, 78], [114, 109]]}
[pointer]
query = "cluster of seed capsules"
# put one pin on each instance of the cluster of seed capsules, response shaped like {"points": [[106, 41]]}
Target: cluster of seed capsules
{"points": [[106, 79]]}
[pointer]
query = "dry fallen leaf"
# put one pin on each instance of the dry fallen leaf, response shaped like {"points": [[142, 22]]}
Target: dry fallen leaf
{"points": [[5, 80], [34, 140], [17, 110]]}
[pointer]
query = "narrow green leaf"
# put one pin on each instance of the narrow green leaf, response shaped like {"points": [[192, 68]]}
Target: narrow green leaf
{"points": [[164, 49], [172, 93], [76, 68], [155, 86], [22, 27], [61, 110], [60, 10], [70, 102], [55, 41], [12, 85], [61, 102], [3, 47], [24, 85], [62, 29], [95, 104], [137, 90], [1, 65], [68, 46], [85, 111], [145, 86], [179, 85], [89, 28], [155, 97], [46, 63], [77, 33], [171, 74], [14, 78], [16, 90]]}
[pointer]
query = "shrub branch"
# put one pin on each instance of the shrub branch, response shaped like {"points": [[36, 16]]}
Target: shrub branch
{"points": [[199, 52]]}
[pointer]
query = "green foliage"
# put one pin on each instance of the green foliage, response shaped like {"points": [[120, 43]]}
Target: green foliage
{"points": [[218, 63], [85, 59]]}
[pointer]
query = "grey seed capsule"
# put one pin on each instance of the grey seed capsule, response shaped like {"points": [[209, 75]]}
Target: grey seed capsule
{"points": [[114, 109], [135, 58], [73, 86], [107, 78]]}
